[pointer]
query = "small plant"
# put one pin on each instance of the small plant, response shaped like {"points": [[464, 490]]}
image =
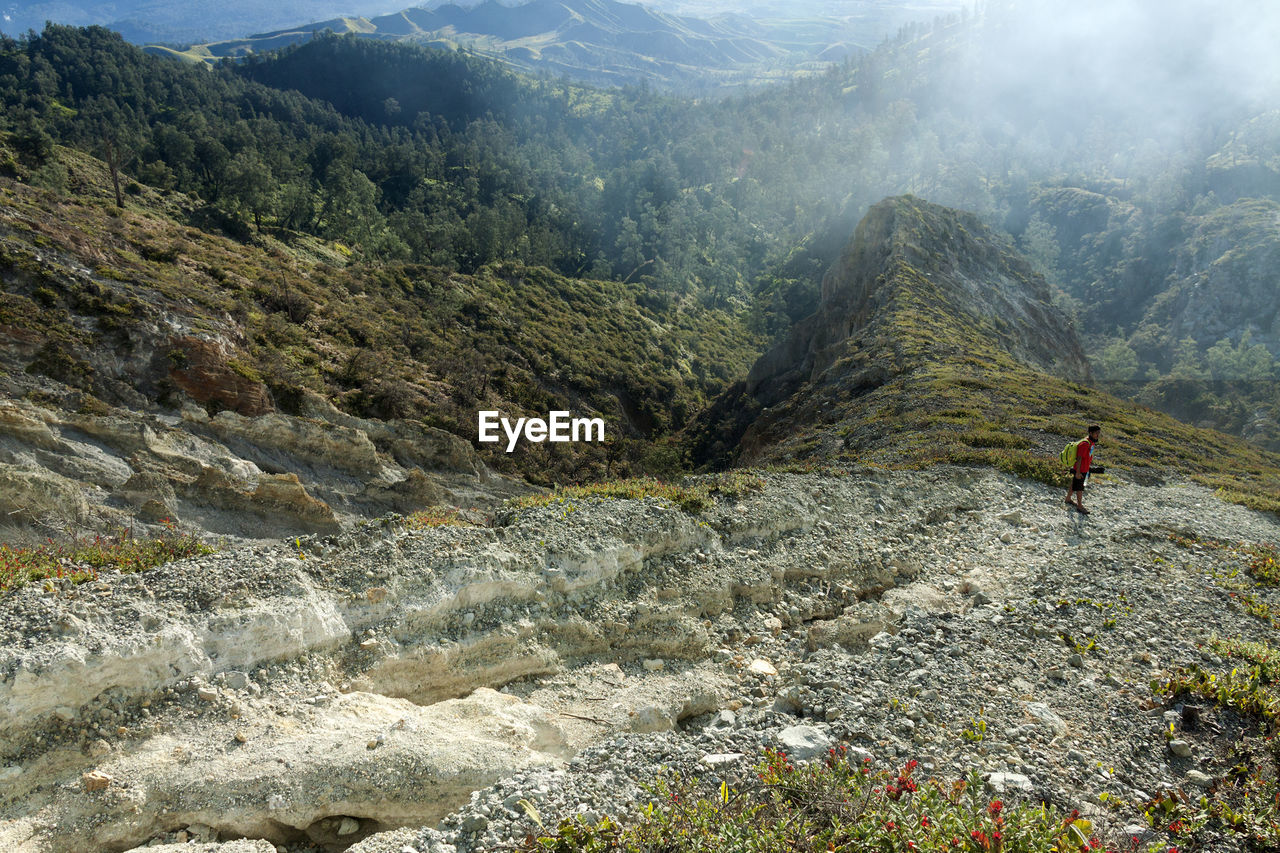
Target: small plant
{"points": [[691, 498], [80, 560], [1245, 804], [976, 731], [830, 806]]}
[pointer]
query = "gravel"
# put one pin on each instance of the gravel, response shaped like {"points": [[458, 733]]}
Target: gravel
{"points": [[958, 617]]}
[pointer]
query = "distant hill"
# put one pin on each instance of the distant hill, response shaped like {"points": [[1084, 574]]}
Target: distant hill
{"points": [[152, 369], [179, 21], [603, 42]]}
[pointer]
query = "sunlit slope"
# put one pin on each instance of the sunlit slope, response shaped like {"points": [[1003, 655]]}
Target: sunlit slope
{"points": [[114, 305]]}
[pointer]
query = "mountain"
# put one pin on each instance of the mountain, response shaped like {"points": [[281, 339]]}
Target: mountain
{"points": [[152, 370], [178, 21], [602, 42], [936, 341]]}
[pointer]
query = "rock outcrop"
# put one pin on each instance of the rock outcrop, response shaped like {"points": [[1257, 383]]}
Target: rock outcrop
{"points": [[247, 477]]}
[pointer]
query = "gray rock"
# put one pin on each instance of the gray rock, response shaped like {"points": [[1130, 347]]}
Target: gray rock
{"points": [[804, 742], [474, 823], [1003, 782], [1200, 780], [725, 719], [1180, 748]]}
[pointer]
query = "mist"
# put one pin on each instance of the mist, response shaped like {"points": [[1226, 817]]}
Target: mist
{"points": [[1165, 65]]}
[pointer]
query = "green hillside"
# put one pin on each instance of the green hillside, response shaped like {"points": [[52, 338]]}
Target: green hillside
{"points": [[83, 278], [386, 164], [934, 343]]}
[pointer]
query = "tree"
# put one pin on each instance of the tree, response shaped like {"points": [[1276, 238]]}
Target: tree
{"points": [[1117, 362], [249, 185], [113, 127]]}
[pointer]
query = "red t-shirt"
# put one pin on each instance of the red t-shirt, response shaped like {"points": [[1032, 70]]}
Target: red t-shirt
{"points": [[1084, 456]]}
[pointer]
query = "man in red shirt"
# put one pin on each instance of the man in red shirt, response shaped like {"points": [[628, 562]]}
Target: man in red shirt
{"points": [[1084, 461]]}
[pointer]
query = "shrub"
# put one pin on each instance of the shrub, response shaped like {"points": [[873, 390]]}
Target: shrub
{"points": [[82, 559], [831, 806], [690, 498], [1246, 803]]}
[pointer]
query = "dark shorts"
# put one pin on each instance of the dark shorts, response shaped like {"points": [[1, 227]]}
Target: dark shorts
{"points": [[1077, 482]]}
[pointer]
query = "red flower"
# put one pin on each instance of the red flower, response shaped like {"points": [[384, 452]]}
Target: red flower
{"points": [[924, 820], [995, 807]]}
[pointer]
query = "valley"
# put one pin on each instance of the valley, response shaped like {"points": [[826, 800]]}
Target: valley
{"points": [[292, 559]]}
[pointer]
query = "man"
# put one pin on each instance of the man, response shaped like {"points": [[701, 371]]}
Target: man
{"points": [[1083, 467]]}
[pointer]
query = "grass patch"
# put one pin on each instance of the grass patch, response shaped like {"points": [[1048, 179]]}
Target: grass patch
{"points": [[692, 498], [436, 516], [830, 806], [994, 438], [82, 559], [1019, 463]]}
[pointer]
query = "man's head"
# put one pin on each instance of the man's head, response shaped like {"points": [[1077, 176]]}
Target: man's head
{"points": [[1095, 433]]}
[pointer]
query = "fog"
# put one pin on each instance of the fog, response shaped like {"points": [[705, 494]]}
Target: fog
{"points": [[1164, 63]]}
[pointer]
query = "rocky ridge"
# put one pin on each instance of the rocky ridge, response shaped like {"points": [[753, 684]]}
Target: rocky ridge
{"points": [[393, 690]]}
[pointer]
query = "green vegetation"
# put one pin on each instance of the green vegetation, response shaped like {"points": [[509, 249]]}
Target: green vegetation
{"points": [[1245, 804], [393, 340], [692, 497], [832, 806], [81, 559], [420, 250]]}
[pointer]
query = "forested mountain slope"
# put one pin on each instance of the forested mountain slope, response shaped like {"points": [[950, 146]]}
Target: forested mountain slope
{"points": [[936, 342], [149, 370], [1133, 201]]}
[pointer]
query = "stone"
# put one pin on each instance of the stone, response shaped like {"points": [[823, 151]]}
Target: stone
{"points": [[202, 833], [725, 719], [1200, 780], [236, 680], [654, 664], [96, 780], [1048, 717], [721, 759], [474, 823], [804, 742], [651, 718], [348, 826], [1003, 782], [1180, 748], [788, 701], [760, 666]]}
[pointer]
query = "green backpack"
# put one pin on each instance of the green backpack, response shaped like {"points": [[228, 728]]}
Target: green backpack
{"points": [[1068, 455]]}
